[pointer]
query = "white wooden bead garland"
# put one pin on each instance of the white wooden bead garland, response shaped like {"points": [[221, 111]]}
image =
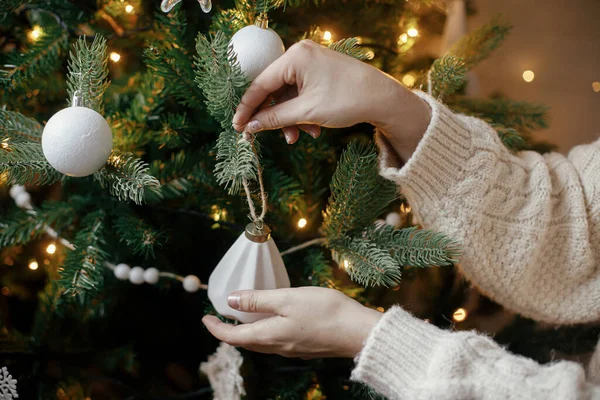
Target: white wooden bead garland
{"points": [[136, 275]]}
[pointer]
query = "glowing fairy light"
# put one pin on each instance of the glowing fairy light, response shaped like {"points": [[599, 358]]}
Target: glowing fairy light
{"points": [[33, 265], [129, 9], [302, 223], [327, 36], [460, 315], [35, 33], [51, 249], [403, 38], [413, 32], [115, 57], [408, 80], [528, 76]]}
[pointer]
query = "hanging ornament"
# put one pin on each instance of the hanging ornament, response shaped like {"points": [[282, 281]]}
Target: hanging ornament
{"points": [[256, 47], [167, 5], [77, 140], [393, 219], [223, 372], [253, 262]]}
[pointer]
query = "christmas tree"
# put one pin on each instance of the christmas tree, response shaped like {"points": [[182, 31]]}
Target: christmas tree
{"points": [[104, 268]]}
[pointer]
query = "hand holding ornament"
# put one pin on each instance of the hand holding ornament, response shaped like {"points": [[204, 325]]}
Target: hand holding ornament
{"points": [[314, 86], [308, 322]]}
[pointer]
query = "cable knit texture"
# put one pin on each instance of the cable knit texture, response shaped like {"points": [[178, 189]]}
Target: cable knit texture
{"points": [[530, 228]]}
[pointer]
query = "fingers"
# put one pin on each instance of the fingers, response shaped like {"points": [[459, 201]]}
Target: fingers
{"points": [[273, 78], [235, 335], [261, 301], [291, 134], [288, 113], [312, 130]]}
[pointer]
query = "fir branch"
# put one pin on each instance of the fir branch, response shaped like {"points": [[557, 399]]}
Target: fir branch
{"points": [[367, 264], [414, 247], [127, 177], [174, 132], [22, 226], [285, 192], [219, 76], [25, 164], [261, 6], [511, 139], [448, 74], [520, 115], [317, 268], [41, 58], [138, 234], [19, 128], [479, 45], [88, 72], [81, 276], [349, 47], [169, 59], [358, 193]]}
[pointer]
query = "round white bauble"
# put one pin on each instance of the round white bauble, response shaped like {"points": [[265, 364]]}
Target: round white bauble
{"points": [[77, 141], [256, 48], [23, 200], [15, 190], [191, 283], [136, 275], [393, 219], [151, 276], [122, 271]]}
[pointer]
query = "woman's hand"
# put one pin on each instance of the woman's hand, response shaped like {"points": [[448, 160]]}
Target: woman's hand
{"points": [[308, 322], [313, 86]]}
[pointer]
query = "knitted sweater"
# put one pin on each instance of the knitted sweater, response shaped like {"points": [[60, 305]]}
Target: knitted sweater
{"points": [[530, 228]]}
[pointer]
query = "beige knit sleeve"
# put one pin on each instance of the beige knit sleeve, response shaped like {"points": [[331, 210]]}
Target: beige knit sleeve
{"points": [[405, 358], [529, 224]]}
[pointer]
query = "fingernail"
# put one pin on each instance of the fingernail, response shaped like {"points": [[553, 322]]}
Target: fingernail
{"points": [[313, 132], [288, 137], [253, 126], [234, 301]]}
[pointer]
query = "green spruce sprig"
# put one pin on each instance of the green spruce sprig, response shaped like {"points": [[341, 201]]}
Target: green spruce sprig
{"points": [[41, 58], [137, 233], [219, 76], [88, 72], [18, 128], [448, 74], [25, 164], [349, 47], [81, 276], [127, 177]]}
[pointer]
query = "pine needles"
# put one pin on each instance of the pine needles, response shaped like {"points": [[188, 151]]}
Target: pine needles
{"points": [[88, 72], [219, 76], [127, 177], [24, 163], [349, 47]]}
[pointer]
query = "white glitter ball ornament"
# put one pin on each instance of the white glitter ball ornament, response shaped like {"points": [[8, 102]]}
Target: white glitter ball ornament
{"points": [[77, 141], [256, 47]]}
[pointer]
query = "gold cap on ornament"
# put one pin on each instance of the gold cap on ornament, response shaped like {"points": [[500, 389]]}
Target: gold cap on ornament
{"points": [[258, 234], [262, 21]]}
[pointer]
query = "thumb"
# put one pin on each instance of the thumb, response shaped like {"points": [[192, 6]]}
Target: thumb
{"points": [[260, 301], [288, 113]]}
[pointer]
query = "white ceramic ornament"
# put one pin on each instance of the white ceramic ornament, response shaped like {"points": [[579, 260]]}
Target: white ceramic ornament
{"points": [[77, 140], [393, 219], [253, 262], [256, 47]]}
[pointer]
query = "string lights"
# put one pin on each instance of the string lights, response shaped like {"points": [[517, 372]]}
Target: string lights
{"points": [[115, 57], [35, 33], [528, 76], [403, 38], [302, 223], [596, 87], [413, 32], [33, 265], [51, 249], [327, 36], [129, 9], [408, 80], [460, 315]]}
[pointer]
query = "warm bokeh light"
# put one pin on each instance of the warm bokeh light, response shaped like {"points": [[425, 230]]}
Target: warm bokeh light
{"points": [[345, 264], [596, 87], [5, 291], [408, 80], [403, 38], [405, 208], [327, 36], [33, 265], [413, 32], [128, 8], [115, 57], [528, 76], [460, 315], [380, 309], [51, 249], [302, 223], [35, 33], [359, 39]]}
